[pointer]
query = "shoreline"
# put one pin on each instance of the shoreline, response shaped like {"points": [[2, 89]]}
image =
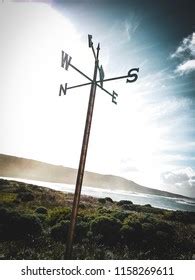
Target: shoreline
{"points": [[156, 201]]}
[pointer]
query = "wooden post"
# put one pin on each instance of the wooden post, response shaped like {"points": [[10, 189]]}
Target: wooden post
{"points": [[82, 161]]}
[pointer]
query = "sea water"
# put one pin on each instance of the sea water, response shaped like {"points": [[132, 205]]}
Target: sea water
{"points": [[158, 201]]}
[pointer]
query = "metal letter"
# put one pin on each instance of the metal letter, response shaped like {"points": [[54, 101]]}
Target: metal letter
{"points": [[65, 60], [114, 97], [90, 41], [101, 72], [134, 76], [63, 89]]}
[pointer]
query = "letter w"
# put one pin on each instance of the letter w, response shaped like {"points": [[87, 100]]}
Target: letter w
{"points": [[65, 60]]}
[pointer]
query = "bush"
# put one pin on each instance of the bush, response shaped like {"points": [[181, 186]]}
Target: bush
{"points": [[148, 231], [131, 233], [58, 214], [102, 200], [108, 199], [4, 215], [148, 205], [21, 188], [82, 229], [29, 225], [128, 234], [108, 227], [179, 216], [59, 232], [41, 210], [140, 217], [16, 226], [7, 198], [120, 215], [162, 236], [25, 196], [104, 211], [124, 202], [82, 206], [165, 227]]}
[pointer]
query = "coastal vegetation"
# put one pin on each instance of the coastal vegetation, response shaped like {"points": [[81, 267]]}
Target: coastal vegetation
{"points": [[34, 224]]}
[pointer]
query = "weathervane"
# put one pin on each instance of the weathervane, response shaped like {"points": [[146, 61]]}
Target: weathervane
{"points": [[131, 76]]}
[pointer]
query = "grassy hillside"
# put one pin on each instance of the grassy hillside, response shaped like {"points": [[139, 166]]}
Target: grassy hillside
{"points": [[34, 223]]}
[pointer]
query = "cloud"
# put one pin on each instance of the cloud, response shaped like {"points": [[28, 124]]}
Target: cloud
{"points": [[186, 67], [186, 53], [180, 179], [187, 46], [131, 26]]}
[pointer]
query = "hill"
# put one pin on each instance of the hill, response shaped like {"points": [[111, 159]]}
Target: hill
{"points": [[11, 166]]}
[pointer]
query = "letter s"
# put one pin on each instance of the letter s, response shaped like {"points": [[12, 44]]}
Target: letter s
{"points": [[132, 75]]}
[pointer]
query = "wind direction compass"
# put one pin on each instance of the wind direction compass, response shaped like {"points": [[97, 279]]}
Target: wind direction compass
{"points": [[131, 77]]}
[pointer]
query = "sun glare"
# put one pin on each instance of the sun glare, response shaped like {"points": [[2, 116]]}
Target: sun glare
{"points": [[47, 127]]}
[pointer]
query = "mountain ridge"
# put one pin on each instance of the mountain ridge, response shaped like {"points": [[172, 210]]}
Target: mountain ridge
{"points": [[12, 166]]}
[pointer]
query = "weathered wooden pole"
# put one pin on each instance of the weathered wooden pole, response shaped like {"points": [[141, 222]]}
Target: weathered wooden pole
{"points": [[82, 161]]}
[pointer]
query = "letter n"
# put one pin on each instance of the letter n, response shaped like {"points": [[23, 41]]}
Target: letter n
{"points": [[63, 89], [65, 62]]}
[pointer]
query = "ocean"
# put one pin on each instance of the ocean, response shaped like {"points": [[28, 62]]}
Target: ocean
{"points": [[169, 203]]}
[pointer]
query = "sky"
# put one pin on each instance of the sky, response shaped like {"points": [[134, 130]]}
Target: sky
{"points": [[149, 136]]}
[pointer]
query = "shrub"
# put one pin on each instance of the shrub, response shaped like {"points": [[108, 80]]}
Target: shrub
{"points": [[16, 226], [165, 227], [82, 229], [7, 197], [127, 234], [148, 231], [108, 199], [29, 225], [124, 202], [25, 196], [129, 207], [102, 200], [41, 210], [184, 217], [82, 206], [108, 227], [148, 205], [120, 215], [103, 211], [164, 236], [131, 233], [59, 231], [4, 215], [58, 214], [21, 188], [140, 218]]}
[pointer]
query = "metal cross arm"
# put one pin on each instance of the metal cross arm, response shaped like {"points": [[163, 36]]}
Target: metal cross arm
{"points": [[65, 64], [106, 80], [75, 68], [131, 77]]}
